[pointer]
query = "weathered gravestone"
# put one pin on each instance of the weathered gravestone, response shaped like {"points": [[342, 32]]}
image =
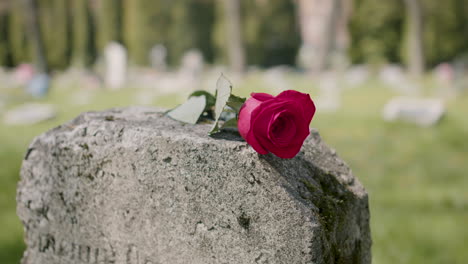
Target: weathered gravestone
{"points": [[420, 111], [132, 186], [158, 56], [29, 114], [192, 64], [116, 65]]}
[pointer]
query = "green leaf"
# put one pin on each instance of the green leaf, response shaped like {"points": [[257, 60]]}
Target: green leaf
{"points": [[235, 102], [210, 99], [231, 123], [190, 111], [223, 92]]}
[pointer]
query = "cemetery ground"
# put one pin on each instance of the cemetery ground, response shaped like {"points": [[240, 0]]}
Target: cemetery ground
{"points": [[417, 178]]}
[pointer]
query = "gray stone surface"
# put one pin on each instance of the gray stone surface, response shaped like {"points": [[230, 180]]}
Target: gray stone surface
{"points": [[131, 186]]}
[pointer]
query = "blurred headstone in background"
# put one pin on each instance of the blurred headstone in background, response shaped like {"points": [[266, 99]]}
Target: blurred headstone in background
{"points": [[191, 69], [158, 56], [39, 85], [395, 78], [419, 111], [324, 32], [192, 63], [444, 76], [461, 73], [70, 78], [29, 114], [275, 78], [2, 104], [91, 80], [356, 76], [115, 56], [23, 74], [328, 99]]}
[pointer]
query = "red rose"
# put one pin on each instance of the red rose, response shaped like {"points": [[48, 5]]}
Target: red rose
{"points": [[276, 124]]}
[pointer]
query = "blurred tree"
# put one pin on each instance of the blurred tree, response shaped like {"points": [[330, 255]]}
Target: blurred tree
{"points": [[270, 31], [233, 30], [54, 17], [146, 23], [179, 25], [414, 37], [83, 52], [202, 19], [446, 29], [34, 35], [324, 33], [110, 15], [17, 39], [191, 27], [5, 51], [376, 31]]}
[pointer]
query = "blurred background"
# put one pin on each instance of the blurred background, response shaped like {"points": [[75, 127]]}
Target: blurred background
{"points": [[389, 78]]}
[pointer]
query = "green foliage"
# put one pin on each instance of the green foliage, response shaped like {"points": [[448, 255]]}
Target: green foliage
{"points": [[190, 111], [376, 29], [210, 99], [109, 22], [191, 27], [223, 93], [54, 21], [269, 31], [83, 53], [446, 30], [5, 53], [17, 38], [179, 25], [145, 24], [74, 30]]}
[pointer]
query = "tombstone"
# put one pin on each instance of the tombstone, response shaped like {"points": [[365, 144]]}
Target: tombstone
{"points": [[356, 76], [158, 56], [23, 74], [395, 78], [275, 78], [115, 56], [444, 76], [133, 186], [29, 114], [461, 73], [192, 64], [39, 85], [329, 98], [419, 111]]}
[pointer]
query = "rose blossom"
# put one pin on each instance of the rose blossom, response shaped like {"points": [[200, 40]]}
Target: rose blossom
{"points": [[276, 124]]}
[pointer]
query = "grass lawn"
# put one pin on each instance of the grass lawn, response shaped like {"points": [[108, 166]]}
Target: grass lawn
{"points": [[417, 178]]}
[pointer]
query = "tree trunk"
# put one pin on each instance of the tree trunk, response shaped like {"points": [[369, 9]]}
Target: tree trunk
{"points": [[323, 31], [32, 22], [83, 35], [415, 47], [236, 52], [109, 22]]}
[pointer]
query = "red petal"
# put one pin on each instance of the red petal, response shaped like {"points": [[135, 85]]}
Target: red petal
{"points": [[303, 100], [262, 96]]}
